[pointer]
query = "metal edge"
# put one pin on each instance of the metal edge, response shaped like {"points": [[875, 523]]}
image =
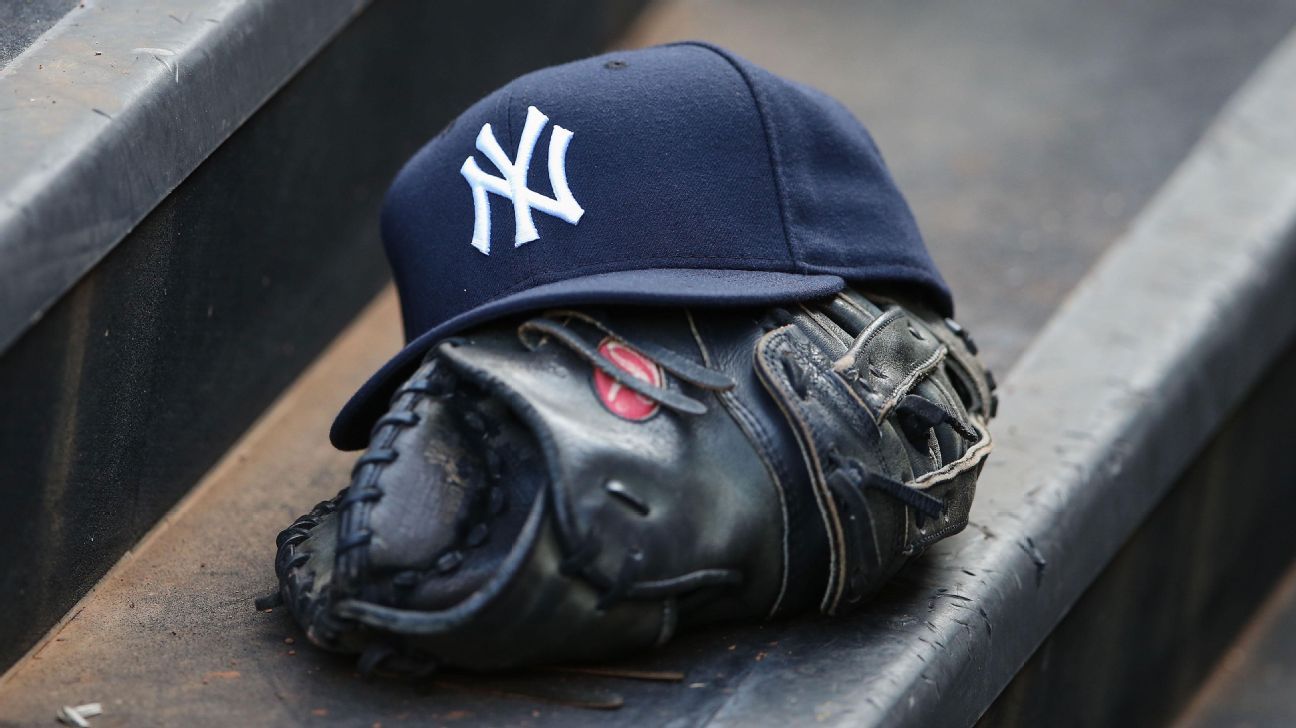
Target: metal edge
{"points": [[1103, 412], [112, 108]]}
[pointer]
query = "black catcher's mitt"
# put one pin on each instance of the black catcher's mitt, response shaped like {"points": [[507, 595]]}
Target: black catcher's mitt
{"points": [[580, 483]]}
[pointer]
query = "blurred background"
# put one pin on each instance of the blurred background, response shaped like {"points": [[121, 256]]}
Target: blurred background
{"points": [[191, 283]]}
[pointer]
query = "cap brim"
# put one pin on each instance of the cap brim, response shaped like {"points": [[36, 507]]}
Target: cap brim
{"points": [[656, 287]]}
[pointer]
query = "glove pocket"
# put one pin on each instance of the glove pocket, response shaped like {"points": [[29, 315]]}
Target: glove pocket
{"points": [[666, 521]]}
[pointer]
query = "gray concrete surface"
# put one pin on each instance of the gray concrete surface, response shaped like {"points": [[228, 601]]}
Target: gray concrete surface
{"points": [[1181, 588], [1026, 134], [112, 108], [1102, 414], [222, 294], [1029, 124], [23, 21], [1134, 374]]}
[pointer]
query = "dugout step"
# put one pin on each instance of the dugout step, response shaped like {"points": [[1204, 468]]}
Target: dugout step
{"points": [[1107, 523], [170, 635], [156, 295]]}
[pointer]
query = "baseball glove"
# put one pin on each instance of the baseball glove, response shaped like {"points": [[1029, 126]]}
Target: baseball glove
{"points": [[582, 483]]}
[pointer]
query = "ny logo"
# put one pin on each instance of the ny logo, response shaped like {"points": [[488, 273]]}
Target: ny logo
{"points": [[513, 184]]}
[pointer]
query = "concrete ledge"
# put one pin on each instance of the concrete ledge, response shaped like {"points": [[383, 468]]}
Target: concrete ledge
{"points": [[112, 107], [140, 376], [1140, 642], [1102, 414], [1138, 371]]}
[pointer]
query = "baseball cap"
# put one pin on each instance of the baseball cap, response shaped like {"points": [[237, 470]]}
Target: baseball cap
{"points": [[675, 175]]}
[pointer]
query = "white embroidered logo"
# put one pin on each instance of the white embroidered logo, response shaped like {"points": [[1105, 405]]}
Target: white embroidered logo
{"points": [[513, 184]]}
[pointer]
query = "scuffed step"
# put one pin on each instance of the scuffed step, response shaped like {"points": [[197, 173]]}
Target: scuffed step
{"points": [[189, 197], [171, 636], [1101, 418]]}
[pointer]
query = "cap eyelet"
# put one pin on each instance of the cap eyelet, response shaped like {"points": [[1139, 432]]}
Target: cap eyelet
{"points": [[615, 65]]}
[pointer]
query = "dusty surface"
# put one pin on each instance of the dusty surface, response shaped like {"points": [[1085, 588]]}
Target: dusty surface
{"points": [[1026, 137], [22, 22], [171, 630], [171, 637]]}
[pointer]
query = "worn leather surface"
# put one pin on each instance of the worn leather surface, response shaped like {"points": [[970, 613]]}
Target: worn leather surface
{"points": [[846, 393], [505, 515]]}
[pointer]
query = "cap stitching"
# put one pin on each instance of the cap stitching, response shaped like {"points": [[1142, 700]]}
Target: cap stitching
{"points": [[508, 118], [770, 147]]}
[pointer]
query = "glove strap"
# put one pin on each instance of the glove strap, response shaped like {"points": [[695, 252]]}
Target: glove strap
{"points": [[850, 400]]}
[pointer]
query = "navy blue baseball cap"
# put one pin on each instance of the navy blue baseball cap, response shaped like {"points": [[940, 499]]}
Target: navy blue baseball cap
{"points": [[675, 175]]}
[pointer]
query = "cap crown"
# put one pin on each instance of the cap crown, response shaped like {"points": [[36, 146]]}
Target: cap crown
{"points": [[675, 157]]}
